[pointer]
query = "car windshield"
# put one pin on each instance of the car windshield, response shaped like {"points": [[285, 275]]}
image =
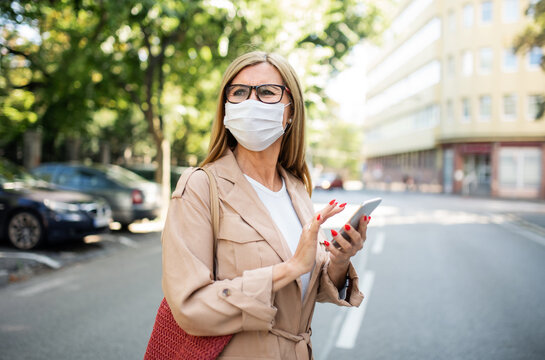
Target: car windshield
{"points": [[121, 175], [12, 175]]}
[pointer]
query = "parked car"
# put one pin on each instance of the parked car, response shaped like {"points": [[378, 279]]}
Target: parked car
{"points": [[130, 196], [147, 171], [329, 181], [34, 212]]}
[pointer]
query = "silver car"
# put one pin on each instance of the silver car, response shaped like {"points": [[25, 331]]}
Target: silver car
{"points": [[130, 196]]}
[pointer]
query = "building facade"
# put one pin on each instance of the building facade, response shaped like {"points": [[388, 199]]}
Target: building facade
{"points": [[451, 106]]}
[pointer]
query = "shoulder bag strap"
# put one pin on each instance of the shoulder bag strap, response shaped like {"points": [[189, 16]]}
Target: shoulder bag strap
{"points": [[215, 213]]}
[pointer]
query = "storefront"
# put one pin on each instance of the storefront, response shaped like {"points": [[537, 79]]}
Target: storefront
{"points": [[467, 169], [508, 169], [520, 170]]}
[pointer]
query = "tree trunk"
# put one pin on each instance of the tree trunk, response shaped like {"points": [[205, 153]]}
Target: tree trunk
{"points": [[164, 165], [105, 153], [162, 175], [72, 148], [32, 153]]}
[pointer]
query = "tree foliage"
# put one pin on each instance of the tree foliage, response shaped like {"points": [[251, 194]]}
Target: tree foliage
{"points": [[137, 74]]}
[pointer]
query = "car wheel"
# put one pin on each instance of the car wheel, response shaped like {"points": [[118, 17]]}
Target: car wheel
{"points": [[25, 230]]}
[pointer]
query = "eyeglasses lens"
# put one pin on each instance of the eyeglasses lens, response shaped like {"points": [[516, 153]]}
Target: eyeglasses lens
{"points": [[269, 94]]}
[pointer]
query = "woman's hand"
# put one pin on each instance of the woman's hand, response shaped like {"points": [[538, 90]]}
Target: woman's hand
{"points": [[305, 254], [340, 257], [347, 248]]}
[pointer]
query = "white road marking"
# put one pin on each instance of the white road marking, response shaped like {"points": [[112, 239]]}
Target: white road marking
{"points": [[378, 243], [334, 329], [128, 242], [43, 286], [530, 235], [360, 262], [379, 221], [30, 256], [354, 317]]}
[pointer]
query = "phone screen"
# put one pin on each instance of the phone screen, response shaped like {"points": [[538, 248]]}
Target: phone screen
{"points": [[364, 210]]}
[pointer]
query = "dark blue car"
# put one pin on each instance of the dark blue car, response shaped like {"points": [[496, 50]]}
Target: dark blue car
{"points": [[34, 212]]}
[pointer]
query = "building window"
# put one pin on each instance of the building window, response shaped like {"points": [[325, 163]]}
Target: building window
{"points": [[485, 60], [466, 110], [485, 108], [451, 65], [509, 60], [520, 168], [411, 13], [510, 11], [413, 46], [509, 107], [468, 16], [535, 102], [534, 57], [422, 78], [467, 63], [451, 20], [450, 112], [486, 12]]}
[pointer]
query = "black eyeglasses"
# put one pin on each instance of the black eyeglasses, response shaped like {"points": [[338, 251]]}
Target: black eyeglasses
{"points": [[266, 93]]}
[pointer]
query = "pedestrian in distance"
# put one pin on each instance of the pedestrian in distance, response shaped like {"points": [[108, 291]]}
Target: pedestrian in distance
{"points": [[257, 280]]}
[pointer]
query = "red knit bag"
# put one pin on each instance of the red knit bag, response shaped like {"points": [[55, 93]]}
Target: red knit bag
{"points": [[168, 341]]}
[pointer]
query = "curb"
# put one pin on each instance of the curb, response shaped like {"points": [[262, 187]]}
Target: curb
{"points": [[16, 266]]}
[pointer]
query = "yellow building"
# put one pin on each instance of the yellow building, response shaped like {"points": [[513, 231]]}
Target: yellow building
{"points": [[450, 105]]}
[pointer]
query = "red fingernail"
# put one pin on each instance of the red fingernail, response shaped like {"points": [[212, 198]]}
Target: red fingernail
{"points": [[318, 218], [347, 227], [369, 218], [334, 233], [336, 203], [342, 205], [365, 218], [332, 202], [326, 243]]}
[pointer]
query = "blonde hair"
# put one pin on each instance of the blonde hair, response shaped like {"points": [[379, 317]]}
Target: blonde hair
{"points": [[292, 151]]}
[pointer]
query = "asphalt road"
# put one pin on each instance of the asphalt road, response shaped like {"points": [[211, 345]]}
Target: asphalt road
{"points": [[444, 278], [102, 308]]}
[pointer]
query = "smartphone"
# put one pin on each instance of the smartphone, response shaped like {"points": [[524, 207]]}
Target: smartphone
{"points": [[364, 210]]}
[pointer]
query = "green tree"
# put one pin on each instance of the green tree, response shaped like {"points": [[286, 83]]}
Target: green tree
{"points": [[162, 59], [533, 36], [46, 82]]}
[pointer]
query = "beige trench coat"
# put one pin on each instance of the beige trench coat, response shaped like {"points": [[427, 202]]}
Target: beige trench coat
{"points": [[266, 324]]}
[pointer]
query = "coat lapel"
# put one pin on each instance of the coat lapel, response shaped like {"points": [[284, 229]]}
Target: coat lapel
{"points": [[243, 199]]}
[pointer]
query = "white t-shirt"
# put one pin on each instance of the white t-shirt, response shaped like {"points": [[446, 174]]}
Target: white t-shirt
{"points": [[284, 216]]}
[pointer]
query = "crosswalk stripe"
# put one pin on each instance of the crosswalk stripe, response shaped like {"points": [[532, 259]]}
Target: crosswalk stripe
{"points": [[354, 318], [378, 243]]}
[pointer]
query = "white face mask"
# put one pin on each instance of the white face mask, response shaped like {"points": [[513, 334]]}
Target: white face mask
{"points": [[254, 124]]}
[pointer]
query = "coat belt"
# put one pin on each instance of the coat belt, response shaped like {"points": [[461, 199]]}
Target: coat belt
{"points": [[302, 342]]}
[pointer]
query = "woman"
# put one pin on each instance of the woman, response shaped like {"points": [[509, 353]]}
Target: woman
{"points": [[272, 262]]}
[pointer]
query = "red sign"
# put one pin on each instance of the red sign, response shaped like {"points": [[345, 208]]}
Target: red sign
{"points": [[475, 148]]}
